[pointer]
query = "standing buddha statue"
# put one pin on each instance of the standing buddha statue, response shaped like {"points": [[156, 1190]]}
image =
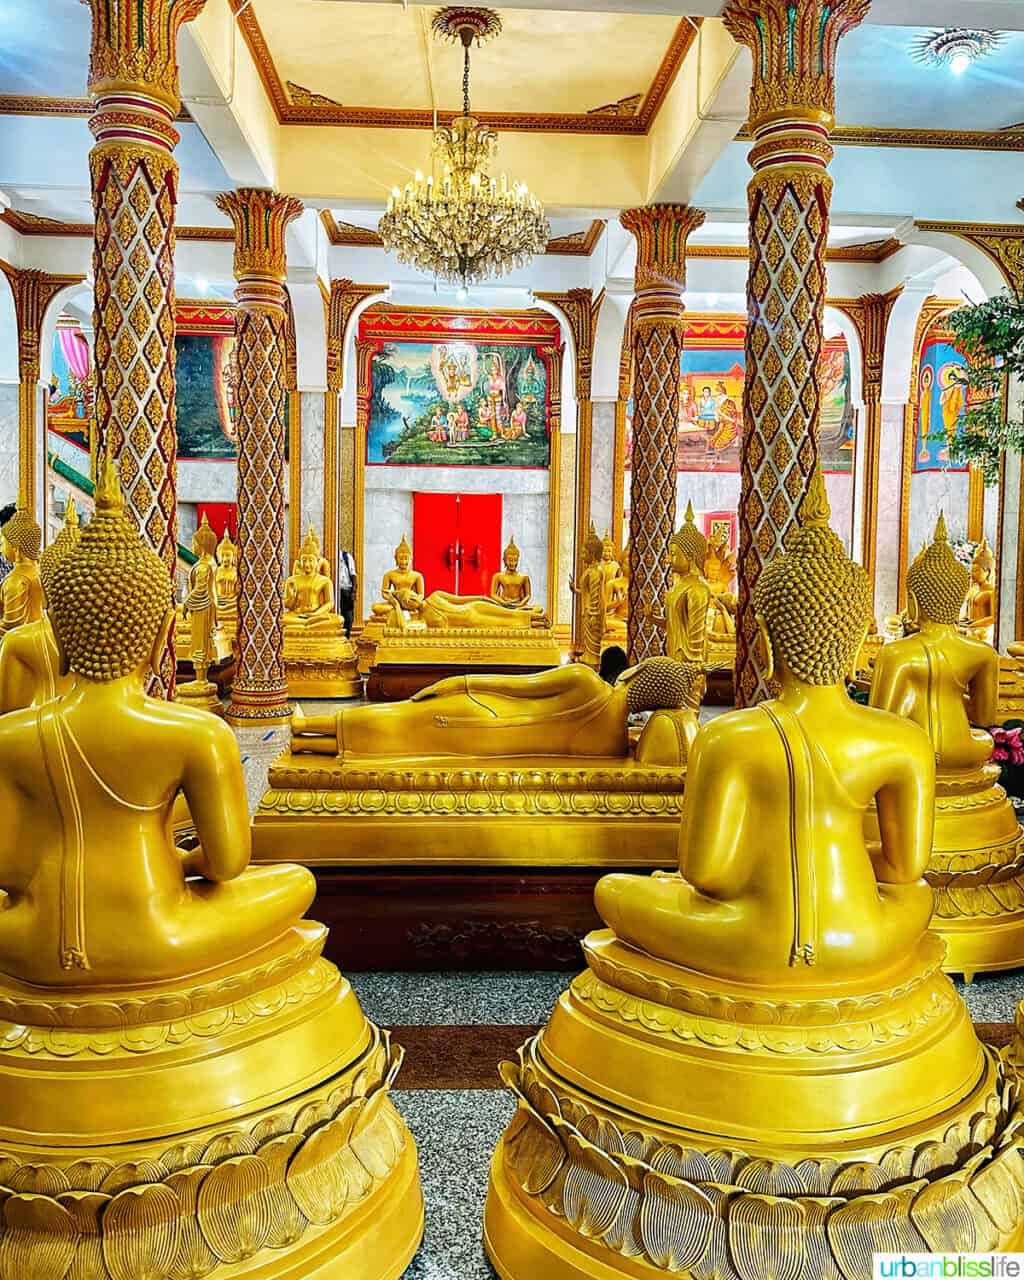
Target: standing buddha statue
{"points": [[225, 590], [977, 617], [167, 996], [616, 604], [591, 590], [319, 660], [757, 1071], [688, 599], [509, 586], [946, 683], [199, 614], [29, 661], [22, 590]]}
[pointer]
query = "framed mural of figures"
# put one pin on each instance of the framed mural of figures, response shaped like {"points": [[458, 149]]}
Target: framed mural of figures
{"points": [[711, 378], [942, 399], [458, 388]]}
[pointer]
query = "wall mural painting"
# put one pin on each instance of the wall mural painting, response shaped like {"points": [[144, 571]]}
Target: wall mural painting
{"points": [[70, 403], [711, 400], [458, 388], [942, 399]]}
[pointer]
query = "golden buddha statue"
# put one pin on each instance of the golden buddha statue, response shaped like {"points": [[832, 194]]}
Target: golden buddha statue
{"points": [[616, 604], [591, 590], [198, 615], [225, 592], [403, 577], [977, 617], [181, 1064], [492, 769], [22, 591], [29, 662], [688, 599], [946, 683], [443, 611], [510, 587], [319, 659], [757, 1071]]}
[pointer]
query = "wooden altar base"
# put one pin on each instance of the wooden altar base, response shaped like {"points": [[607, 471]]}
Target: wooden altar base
{"points": [[415, 918], [395, 681]]}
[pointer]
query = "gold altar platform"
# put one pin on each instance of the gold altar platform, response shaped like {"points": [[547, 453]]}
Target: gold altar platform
{"points": [[321, 667], [1011, 691], [464, 812], [406, 661]]}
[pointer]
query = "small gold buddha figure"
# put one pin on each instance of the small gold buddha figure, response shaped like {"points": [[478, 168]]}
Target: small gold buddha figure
{"points": [[745, 1078], [29, 662], [948, 683], [319, 660], [509, 586], [977, 617], [591, 591], [688, 601], [200, 603], [22, 590], [403, 577], [616, 603], [187, 1069], [225, 591], [309, 594]]}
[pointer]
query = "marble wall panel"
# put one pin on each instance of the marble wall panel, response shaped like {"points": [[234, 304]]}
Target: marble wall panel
{"points": [[602, 459], [8, 442], [887, 532], [930, 493], [311, 477]]}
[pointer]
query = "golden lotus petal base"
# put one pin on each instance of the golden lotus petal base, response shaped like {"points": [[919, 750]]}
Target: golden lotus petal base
{"points": [[466, 811], [977, 873], [673, 1123], [466, 648], [1011, 690], [255, 1134]]}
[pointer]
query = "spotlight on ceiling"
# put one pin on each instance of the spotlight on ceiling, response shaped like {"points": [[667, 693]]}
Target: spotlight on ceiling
{"points": [[203, 285], [955, 47]]}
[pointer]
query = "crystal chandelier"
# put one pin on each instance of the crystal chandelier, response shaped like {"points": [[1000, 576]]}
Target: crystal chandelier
{"points": [[956, 47], [465, 226]]}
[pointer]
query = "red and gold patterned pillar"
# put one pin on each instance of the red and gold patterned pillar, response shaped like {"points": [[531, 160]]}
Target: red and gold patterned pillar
{"points": [[133, 81], [260, 692], [792, 113], [661, 232]]}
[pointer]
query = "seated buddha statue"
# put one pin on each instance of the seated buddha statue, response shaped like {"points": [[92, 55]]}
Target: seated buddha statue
{"points": [[948, 684], [746, 1078], [22, 590], [568, 711], [94, 776], [977, 617], [403, 577], [688, 599], [510, 587], [309, 595], [225, 591], [188, 1070], [29, 662], [616, 603], [720, 574]]}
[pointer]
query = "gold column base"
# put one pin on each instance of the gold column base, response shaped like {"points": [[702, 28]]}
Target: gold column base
{"points": [[672, 1123], [236, 1124]]}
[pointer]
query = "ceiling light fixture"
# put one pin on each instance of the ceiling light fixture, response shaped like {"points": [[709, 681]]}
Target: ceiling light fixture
{"points": [[956, 48], [465, 226]]}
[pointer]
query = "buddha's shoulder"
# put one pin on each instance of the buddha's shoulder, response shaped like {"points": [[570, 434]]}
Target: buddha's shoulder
{"points": [[891, 730], [190, 724], [722, 735]]}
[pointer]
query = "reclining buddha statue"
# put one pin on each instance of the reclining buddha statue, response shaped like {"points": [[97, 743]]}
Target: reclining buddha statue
{"points": [[319, 660], [757, 1071], [28, 655], [947, 682], [179, 1063], [491, 768]]}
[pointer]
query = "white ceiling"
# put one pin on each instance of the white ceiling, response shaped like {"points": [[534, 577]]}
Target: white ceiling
{"points": [[44, 47]]}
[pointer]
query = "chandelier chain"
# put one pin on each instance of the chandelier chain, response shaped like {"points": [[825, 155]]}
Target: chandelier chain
{"points": [[465, 81]]}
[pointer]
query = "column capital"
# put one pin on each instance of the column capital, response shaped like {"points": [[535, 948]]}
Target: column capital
{"points": [[133, 67], [33, 292], [260, 218], [344, 296], [793, 47], [870, 314], [661, 232], [580, 309], [553, 363]]}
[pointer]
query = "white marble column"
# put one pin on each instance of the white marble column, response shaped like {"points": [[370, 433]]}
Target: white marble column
{"points": [[602, 465], [890, 490], [311, 473], [1009, 548], [9, 442]]}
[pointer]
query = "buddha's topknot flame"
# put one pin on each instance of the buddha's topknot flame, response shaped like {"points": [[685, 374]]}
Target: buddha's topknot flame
{"points": [[815, 602], [938, 580]]}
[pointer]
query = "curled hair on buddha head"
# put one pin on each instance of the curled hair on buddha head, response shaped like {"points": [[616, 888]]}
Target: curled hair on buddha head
{"points": [[662, 684], [111, 594], [64, 542], [937, 579], [813, 600], [23, 533], [690, 541], [204, 538]]}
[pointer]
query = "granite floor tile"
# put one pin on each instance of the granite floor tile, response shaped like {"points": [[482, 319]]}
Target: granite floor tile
{"points": [[458, 999], [993, 997], [456, 1132]]}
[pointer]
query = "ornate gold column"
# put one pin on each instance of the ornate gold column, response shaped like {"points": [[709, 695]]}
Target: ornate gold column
{"points": [[553, 363], [657, 343], [33, 292], [260, 693], [364, 370], [133, 81], [792, 113]]}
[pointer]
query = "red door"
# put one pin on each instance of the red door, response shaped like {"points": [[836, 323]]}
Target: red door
{"points": [[221, 515], [457, 540]]}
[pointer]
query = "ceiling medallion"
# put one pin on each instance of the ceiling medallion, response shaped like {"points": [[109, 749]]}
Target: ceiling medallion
{"points": [[956, 47], [463, 225]]}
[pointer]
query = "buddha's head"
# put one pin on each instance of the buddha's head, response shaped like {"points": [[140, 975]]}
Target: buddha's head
{"points": [[227, 552], [607, 549], [204, 540], [983, 564], [937, 582], [687, 548], [510, 556], [309, 554], [22, 537], [64, 542], [110, 599], [662, 684], [812, 603], [593, 547], [403, 555]]}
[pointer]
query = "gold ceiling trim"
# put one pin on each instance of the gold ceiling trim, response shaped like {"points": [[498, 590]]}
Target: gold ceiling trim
{"points": [[578, 244], [1013, 229], [30, 104], [941, 139], [309, 108], [33, 224], [872, 251]]}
